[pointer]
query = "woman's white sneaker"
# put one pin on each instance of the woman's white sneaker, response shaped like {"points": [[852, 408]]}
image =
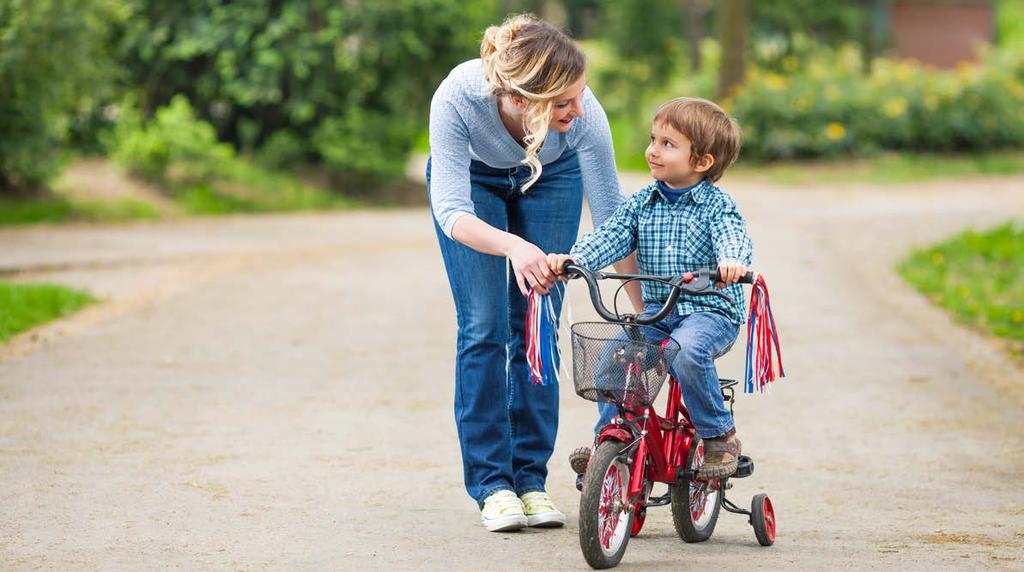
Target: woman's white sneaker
{"points": [[540, 510], [502, 512]]}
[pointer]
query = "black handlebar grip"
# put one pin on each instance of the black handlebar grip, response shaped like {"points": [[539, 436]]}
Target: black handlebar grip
{"points": [[747, 278]]}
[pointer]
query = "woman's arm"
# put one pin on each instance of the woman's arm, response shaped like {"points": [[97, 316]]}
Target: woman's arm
{"points": [[529, 263]]}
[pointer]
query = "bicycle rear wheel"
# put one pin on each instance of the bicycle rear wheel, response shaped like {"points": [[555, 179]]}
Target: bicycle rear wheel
{"points": [[605, 516]]}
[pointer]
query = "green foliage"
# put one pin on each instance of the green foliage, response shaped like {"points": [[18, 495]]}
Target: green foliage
{"points": [[979, 276], [57, 209], [825, 107], [181, 152], [173, 138], [347, 83], [829, 108], [24, 306], [53, 61], [1010, 23]]}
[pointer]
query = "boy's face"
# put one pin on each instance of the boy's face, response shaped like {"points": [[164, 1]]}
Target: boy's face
{"points": [[669, 157]]}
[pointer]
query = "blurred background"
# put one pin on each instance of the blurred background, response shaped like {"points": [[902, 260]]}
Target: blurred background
{"points": [[114, 110], [277, 105]]}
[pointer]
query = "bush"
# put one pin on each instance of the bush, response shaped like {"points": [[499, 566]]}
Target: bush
{"points": [[825, 106], [347, 83], [52, 61], [828, 108], [174, 145]]}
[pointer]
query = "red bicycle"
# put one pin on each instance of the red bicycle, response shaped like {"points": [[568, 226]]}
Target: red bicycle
{"points": [[625, 362]]}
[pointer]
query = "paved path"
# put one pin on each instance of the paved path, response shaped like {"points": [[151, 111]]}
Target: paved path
{"points": [[275, 392]]}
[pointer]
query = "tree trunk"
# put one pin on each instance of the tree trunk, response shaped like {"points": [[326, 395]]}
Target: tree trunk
{"points": [[693, 12], [735, 29], [554, 11]]}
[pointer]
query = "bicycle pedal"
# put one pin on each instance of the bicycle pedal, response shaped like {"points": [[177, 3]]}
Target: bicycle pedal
{"points": [[744, 467]]}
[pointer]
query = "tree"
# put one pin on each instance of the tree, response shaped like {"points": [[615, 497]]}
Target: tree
{"points": [[343, 83], [734, 34], [52, 63]]}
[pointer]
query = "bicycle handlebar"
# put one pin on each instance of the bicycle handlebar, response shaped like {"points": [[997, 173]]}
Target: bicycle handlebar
{"points": [[699, 283]]}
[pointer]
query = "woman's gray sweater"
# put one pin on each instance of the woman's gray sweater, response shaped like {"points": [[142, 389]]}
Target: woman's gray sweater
{"points": [[465, 126]]}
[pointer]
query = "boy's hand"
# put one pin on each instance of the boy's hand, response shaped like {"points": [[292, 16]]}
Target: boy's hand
{"points": [[556, 262], [731, 272]]}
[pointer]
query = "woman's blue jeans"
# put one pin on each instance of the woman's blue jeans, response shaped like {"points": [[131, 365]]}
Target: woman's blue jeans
{"points": [[702, 337], [506, 425]]}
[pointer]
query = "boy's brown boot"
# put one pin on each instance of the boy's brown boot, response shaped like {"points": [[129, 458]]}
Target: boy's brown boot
{"points": [[721, 456]]}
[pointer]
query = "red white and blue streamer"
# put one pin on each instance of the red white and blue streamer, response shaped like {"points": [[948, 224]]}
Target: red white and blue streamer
{"points": [[761, 338], [542, 355]]}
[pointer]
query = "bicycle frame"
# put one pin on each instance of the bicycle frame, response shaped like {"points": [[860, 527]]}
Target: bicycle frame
{"points": [[661, 443]]}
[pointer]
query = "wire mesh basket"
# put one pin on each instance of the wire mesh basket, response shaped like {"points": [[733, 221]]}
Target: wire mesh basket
{"points": [[620, 363]]}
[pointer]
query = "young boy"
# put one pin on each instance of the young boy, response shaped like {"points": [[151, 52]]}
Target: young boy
{"points": [[680, 223]]}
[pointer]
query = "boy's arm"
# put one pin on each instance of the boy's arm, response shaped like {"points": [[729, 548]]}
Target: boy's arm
{"points": [[610, 242], [729, 235]]}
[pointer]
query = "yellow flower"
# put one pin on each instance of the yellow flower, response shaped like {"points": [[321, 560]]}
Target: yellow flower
{"points": [[774, 81], [896, 107], [938, 258], [835, 131], [1018, 316]]}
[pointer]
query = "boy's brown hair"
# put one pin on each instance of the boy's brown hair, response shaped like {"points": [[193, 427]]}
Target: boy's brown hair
{"points": [[709, 128]]}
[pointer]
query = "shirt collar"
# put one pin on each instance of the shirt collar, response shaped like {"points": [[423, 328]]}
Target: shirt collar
{"points": [[698, 193]]}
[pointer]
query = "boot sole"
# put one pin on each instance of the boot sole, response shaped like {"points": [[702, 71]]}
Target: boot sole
{"points": [[719, 472]]}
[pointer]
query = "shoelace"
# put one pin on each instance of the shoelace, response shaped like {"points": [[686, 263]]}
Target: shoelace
{"points": [[504, 501], [538, 502]]}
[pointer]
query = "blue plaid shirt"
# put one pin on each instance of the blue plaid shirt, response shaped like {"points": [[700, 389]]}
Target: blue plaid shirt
{"points": [[701, 230]]}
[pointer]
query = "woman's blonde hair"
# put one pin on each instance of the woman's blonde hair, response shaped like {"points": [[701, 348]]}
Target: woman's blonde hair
{"points": [[532, 59]]}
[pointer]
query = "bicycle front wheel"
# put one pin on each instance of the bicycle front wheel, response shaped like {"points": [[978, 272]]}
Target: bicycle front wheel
{"points": [[605, 516]]}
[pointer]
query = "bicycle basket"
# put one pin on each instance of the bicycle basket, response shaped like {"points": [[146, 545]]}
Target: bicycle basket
{"points": [[620, 363]]}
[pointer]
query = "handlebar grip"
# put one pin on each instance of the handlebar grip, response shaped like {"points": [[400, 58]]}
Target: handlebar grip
{"points": [[747, 278]]}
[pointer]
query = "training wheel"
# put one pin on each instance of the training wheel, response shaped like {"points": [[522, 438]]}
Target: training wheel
{"points": [[762, 518]]}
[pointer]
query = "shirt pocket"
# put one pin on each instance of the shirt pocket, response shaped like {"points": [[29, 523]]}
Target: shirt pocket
{"points": [[697, 242]]}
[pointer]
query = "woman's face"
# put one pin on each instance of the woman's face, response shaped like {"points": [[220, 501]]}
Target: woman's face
{"points": [[567, 106]]}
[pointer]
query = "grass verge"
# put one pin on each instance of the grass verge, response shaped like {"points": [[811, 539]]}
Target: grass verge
{"points": [[25, 306], [57, 209], [979, 277]]}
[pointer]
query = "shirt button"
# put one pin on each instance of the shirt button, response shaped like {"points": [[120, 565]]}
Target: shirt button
{"points": [[668, 248]]}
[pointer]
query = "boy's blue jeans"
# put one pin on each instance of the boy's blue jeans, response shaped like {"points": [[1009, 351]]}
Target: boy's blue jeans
{"points": [[506, 425], [702, 337]]}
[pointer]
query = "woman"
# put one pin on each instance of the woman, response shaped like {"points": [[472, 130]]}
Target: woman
{"points": [[516, 138]]}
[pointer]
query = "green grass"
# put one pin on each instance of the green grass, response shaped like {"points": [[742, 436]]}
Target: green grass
{"points": [[57, 209], [883, 169], [978, 276], [24, 306]]}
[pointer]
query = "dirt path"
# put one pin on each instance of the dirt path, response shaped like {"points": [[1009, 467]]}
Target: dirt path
{"points": [[275, 392]]}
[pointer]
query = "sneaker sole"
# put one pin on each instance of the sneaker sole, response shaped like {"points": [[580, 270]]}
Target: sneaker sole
{"points": [[505, 523], [546, 520]]}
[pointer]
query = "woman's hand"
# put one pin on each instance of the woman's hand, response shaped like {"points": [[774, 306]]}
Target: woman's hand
{"points": [[530, 265]]}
